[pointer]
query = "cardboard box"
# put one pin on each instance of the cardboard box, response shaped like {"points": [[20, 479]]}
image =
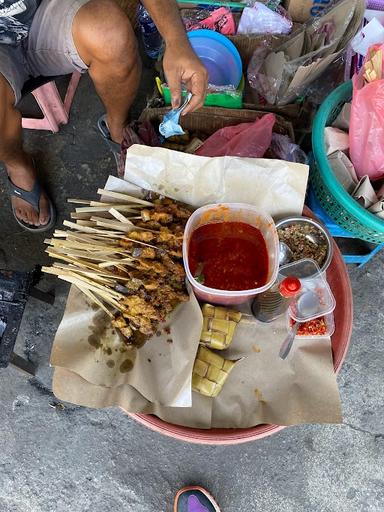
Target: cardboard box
{"points": [[288, 71], [302, 10]]}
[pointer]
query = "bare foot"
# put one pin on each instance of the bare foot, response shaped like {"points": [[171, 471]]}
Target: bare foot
{"points": [[24, 176]]}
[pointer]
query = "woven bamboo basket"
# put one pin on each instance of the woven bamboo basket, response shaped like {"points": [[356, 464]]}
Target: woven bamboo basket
{"points": [[130, 9]]}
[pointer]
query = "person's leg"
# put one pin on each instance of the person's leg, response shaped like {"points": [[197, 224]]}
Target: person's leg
{"points": [[19, 165], [106, 42]]}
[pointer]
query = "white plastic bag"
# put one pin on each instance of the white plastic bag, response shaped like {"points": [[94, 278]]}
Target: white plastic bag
{"points": [[259, 19]]}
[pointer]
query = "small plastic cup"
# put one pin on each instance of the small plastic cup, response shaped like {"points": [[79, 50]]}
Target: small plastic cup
{"points": [[232, 212], [312, 281], [330, 328]]}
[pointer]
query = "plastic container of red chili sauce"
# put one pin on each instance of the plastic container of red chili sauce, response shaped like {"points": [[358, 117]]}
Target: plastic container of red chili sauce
{"points": [[230, 252]]}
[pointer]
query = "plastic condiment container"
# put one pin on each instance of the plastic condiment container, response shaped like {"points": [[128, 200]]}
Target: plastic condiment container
{"points": [[312, 280], [233, 212], [330, 328]]}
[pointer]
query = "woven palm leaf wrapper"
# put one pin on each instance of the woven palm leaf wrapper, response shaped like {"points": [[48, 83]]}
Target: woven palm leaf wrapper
{"points": [[219, 326], [210, 372]]}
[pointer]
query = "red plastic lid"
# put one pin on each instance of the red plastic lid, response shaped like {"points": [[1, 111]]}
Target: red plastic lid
{"points": [[290, 286]]}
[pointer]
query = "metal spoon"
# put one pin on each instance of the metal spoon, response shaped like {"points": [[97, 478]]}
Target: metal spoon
{"points": [[182, 107], [307, 305], [285, 254]]}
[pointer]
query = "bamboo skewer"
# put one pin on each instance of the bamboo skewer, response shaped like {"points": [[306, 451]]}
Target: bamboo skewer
{"points": [[78, 201], [119, 216], [72, 244], [96, 277], [87, 229], [124, 197], [105, 296], [88, 223], [100, 257], [105, 208], [115, 224], [85, 237], [72, 260], [92, 284], [143, 243], [115, 263], [90, 272], [93, 298]]}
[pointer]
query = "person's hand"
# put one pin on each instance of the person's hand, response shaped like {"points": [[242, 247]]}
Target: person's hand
{"points": [[182, 66]]}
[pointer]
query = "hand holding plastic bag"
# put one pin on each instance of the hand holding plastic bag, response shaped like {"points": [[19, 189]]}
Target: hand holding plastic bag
{"points": [[366, 131], [244, 140]]}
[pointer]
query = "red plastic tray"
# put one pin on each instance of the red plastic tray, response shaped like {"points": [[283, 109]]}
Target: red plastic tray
{"points": [[338, 279]]}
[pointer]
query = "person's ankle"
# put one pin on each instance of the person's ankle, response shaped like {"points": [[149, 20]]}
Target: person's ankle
{"points": [[115, 130], [20, 166]]}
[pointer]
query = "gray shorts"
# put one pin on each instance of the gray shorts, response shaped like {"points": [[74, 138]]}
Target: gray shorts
{"points": [[49, 49]]}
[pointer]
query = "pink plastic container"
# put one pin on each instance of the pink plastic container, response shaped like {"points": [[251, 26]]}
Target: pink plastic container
{"points": [[232, 212]]}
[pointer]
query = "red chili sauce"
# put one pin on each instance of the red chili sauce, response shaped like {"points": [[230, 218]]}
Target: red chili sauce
{"points": [[229, 256]]}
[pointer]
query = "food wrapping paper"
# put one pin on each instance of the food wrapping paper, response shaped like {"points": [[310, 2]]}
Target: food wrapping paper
{"points": [[262, 388], [274, 186], [87, 344]]}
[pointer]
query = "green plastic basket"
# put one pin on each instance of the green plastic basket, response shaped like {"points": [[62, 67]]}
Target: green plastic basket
{"points": [[339, 205]]}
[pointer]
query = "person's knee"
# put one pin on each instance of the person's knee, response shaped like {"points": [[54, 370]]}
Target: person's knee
{"points": [[104, 34], [7, 96]]}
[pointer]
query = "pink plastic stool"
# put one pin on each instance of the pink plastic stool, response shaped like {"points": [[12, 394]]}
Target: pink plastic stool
{"points": [[55, 110]]}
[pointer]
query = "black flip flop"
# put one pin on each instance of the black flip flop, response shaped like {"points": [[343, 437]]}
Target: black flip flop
{"points": [[114, 147], [32, 197]]}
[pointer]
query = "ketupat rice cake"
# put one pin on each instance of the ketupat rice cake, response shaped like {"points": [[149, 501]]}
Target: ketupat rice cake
{"points": [[219, 326], [210, 372]]}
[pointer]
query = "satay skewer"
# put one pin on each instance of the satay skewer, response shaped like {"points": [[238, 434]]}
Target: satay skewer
{"points": [[119, 216], [95, 300], [70, 259], [124, 197], [113, 224], [121, 262], [85, 229], [108, 280], [105, 208], [145, 243], [105, 296], [89, 282], [95, 273], [99, 257], [78, 201], [73, 244]]}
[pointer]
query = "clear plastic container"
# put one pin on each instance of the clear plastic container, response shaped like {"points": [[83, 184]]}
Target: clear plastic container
{"points": [[330, 328], [233, 212], [312, 281]]}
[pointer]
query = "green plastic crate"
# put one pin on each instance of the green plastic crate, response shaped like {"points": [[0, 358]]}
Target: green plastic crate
{"points": [[217, 99], [339, 205]]}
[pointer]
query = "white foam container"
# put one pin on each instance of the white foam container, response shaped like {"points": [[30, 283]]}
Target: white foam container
{"points": [[233, 212]]}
